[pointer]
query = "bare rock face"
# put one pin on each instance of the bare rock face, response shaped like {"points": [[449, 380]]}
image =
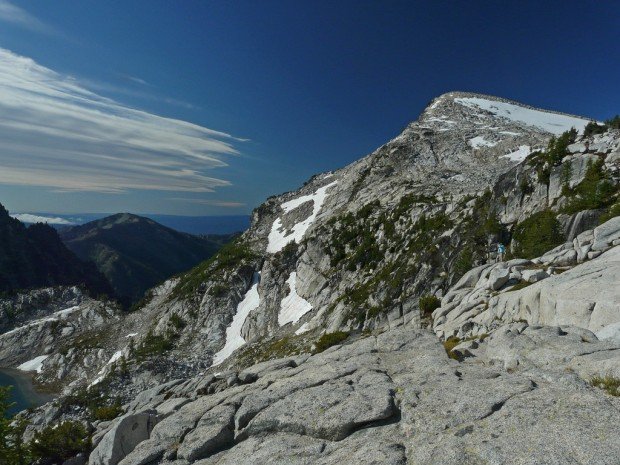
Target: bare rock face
{"points": [[398, 398], [127, 432]]}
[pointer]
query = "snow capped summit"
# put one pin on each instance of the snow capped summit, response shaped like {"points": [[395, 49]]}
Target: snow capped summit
{"points": [[555, 123], [496, 112]]}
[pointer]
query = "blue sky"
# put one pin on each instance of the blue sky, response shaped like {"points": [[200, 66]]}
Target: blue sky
{"points": [[96, 98]]}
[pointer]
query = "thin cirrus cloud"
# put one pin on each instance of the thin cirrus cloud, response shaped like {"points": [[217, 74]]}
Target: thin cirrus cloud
{"points": [[210, 202], [13, 14], [57, 134]]}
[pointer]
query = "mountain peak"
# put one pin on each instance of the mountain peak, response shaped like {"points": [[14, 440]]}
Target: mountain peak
{"points": [[484, 109]]}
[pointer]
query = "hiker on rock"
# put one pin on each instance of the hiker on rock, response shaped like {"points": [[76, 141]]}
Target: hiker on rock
{"points": [[501, 250]]}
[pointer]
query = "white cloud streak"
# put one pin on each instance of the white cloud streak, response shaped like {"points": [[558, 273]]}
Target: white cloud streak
{"points": [[211, 202], [57, 134], [20, 17], [30, 218]]}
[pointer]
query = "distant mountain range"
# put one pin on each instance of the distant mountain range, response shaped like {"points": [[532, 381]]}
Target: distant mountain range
{"points": [[223, 224], [136, 253], [34, 256]]}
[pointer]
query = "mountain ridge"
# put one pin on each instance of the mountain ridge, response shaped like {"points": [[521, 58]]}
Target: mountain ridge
{"points": [[34, 256], [129, 250]]}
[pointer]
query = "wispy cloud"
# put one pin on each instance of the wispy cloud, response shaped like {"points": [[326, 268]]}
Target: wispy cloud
{"points": [[106, 87], [56, 133], [20, 17], [137, 80], [211, 202]]}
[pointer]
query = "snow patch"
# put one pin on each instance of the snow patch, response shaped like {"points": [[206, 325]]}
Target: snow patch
{"points": [[36, 364], [132, 335], [279, 238], [62, 314], [101, 375], [293, 306], [480, 141], [303, 329], [550, 122], [234, 339], [118, 354], [518, 155]]}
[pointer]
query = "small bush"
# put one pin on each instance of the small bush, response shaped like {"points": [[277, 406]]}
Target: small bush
{"points": [[608, 383], [428, 303], [107, 413], [537, 234], [593, 128], [450, 344], [218, 290], [519, 285], [595, 191], [229, 257], [155, 344], [60, 442], [611, 212], [178, 322], [330, 339], [464, 262]]}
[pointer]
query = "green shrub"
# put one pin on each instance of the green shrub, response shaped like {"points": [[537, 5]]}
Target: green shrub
{"points": [[608, 383], [611, 212], [218, 290], [593, 128], [58, 443], [557, 148], [328, 340], [428, 303], [140, 304], [519, 285], [464, 262], [178, 322], [537, 234], [525, 186], [259, 352], [107, 412], [595, 191], [155, 344], [450, 344], [13, 451], [229, 257]]}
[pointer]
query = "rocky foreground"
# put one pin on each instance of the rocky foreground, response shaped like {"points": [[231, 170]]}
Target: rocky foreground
{"points": [[538, 387], [392, 398]]}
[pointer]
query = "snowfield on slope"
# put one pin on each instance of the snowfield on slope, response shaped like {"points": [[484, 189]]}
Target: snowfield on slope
{"points": [[36, 364], [480, 141], [518, 155], [234, 339], [293, 306], [62, 314], [278, 238], [552, 122], [101, 375]]}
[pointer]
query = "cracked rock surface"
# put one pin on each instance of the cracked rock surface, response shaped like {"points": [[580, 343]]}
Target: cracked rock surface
{"points": [[522, 396]]}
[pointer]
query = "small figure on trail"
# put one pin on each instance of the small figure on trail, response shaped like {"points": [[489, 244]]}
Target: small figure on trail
{"points": [[501, 250]]}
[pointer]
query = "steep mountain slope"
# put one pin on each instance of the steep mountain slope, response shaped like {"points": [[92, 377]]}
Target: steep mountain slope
{"points": [[366, 241], [136, 253], [36, 257], [305, 341]]}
